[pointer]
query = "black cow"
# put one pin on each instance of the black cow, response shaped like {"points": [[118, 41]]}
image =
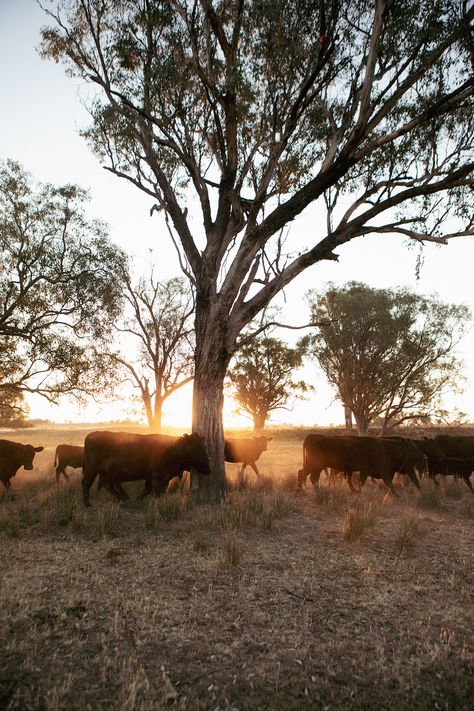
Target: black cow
{"points": [[429, 448], [455, 446], [245, 450], [119, 456], [370, 456], [68, 455], [461, 467], [13, 456]]}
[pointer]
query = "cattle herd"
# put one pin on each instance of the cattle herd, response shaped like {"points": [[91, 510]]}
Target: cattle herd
{"points": [[118, 457]]}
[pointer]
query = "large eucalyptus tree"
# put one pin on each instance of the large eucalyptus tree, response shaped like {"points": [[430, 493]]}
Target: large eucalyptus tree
{"points": [[250, 111]]}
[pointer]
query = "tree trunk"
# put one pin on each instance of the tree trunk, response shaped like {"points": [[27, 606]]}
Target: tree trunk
{"points": [[157, 410], [348, 417], [259, 422], [362, 423], [148, 408], [211, 361]]}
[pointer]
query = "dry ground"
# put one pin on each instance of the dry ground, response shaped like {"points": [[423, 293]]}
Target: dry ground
{"points": [[273, 600]]}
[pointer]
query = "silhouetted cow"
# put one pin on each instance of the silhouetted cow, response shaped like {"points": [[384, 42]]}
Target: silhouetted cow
{"points": [[14, 455], [461, 467], [68, 455], [370, 456], [245, 450], [429, 448], [119, 456], [455, 446]]}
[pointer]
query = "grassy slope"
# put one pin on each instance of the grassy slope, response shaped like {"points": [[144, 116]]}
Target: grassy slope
{"points": [[272, 601]]}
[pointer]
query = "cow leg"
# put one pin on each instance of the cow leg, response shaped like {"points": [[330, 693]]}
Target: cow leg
{"points": [[87, 481], [314, 476], [6, 484], [112, 488], [121, 493], [467, 479], [302, 474], [362, 479], [348, 478], [254, 467], [389, 485], [159, 487], [182, 479], [147, 489], [414, 479], [59, 471]]}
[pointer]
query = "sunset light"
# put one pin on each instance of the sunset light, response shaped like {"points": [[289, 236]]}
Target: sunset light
{"points": [[236, 355]]}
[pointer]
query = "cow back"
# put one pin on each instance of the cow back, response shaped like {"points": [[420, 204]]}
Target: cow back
{"points": [[455, 446]]}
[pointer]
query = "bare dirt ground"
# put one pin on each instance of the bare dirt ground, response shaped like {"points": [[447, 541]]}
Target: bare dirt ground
{"points": [[274, 600]]}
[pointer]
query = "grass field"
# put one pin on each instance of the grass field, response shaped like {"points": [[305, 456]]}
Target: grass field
{"points": [[273, 600]]}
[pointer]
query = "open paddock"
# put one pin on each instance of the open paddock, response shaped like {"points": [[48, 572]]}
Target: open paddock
{"points": [[273, 600]]}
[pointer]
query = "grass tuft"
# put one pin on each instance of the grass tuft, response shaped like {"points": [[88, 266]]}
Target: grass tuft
{"points": [[231, 551], [406, 537], [107, 519], [9, 523], [359, 517], [58, 509], [429, 496], [332, 494], [453, 489]]}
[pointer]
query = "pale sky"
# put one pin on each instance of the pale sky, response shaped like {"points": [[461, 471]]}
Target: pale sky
{"points": [[40, 118]]}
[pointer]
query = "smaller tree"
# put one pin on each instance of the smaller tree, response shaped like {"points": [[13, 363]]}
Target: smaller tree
{"points": [[157, 356], [261, 377], [58, 290], [389, 353]]}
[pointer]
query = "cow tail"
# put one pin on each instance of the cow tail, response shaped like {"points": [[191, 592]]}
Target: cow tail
{"points": [[56, 457]]}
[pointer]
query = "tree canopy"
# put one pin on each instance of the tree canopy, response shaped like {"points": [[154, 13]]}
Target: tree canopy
{"points": [[58, 290], [247, 112], [261, 377], [389, 353]]}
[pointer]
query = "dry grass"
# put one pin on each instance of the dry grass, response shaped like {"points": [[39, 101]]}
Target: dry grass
{"points": [[429, 496], [359, 517], [406, 538], [333, 494], [453, 488], [231, 551], [257, 603]]}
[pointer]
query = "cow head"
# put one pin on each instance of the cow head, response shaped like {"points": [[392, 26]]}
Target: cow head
{"points": [[29, 454], [194, 450], [262, 442]]}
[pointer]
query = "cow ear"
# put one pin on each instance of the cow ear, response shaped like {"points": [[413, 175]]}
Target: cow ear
{"points": [[39, 449]]}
